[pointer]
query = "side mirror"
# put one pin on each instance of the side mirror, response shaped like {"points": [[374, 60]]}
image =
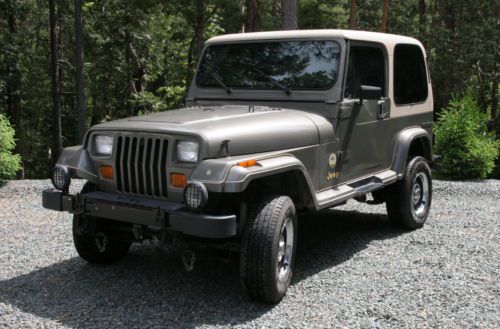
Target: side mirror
{"points": [[370, 93]]}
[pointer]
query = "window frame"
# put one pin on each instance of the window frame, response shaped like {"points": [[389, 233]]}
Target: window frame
{"points": [[426, 74], [366, 44]]}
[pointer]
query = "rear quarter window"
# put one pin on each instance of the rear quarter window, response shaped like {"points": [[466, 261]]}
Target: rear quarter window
{"points": [[410, 75]]}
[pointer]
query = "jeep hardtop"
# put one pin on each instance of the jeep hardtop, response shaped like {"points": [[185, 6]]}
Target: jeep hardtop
{"points": [[275, 124]]}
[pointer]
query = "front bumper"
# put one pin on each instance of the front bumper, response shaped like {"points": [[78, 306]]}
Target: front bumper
{"points": [[137, 210]]}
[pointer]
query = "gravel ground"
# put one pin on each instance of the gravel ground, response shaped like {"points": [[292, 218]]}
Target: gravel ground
{"points": [[353, 270]]}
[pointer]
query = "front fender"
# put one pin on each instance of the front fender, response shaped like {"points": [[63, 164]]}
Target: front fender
{"points": [[223, 175], [79, 163]]}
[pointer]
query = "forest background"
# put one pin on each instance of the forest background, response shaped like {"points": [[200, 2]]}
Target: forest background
{"points": [[67, 65]]}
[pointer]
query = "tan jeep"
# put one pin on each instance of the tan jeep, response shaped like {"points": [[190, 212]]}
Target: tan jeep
{"points": [[276, 123]]}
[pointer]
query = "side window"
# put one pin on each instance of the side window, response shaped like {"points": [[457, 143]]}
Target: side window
{"points": [[410, 75], [366, 67]]}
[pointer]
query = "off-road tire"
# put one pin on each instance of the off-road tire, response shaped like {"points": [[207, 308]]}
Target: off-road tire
{"points": [[260, 249], [399, 196], [85, 231], [86, 245]]}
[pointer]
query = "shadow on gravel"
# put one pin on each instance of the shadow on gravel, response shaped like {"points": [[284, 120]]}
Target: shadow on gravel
{"points": [[150, 288]]}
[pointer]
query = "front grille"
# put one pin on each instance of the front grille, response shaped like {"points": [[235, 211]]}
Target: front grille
{"points": [[141, 166]]}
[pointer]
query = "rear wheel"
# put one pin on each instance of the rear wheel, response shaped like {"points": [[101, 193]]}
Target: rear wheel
{"points": [[268, 250], [409, 200]]}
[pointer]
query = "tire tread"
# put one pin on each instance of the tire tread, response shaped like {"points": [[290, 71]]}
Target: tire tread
{"points": [[257, 248]]}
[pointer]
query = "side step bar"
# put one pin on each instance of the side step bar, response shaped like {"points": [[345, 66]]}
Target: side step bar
{"points": [[339, 194]]}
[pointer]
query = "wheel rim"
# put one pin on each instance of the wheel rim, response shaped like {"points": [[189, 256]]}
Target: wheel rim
{"points": [[285, 249], [420, 194]]}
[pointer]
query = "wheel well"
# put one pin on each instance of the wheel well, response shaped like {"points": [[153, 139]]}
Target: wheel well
{"points": [[420, 146], [290, 183]]}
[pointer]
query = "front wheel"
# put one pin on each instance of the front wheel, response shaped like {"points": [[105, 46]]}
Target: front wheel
{"points": [[94, 243], [409, 200], [268, 250]]}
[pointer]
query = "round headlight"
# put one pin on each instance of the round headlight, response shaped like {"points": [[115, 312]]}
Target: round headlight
{"points": [[61, 178], [195, 195]]}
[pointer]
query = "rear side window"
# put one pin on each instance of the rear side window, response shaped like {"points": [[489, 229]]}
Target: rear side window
{"points": [[410, 75]]}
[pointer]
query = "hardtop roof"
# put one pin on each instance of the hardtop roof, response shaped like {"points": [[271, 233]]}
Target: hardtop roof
{"points": [[389, 40]]}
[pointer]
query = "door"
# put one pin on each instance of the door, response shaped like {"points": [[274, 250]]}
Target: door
{"points": [[361, 130]]}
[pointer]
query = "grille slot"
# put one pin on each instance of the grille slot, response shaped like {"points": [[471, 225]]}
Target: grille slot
{"points": [[140, 164]]}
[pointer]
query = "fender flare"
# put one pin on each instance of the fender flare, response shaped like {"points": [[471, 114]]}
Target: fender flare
{"points": [[79, 163], [229, 177], [403, 144]]}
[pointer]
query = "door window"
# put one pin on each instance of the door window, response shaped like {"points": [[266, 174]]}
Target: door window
{"points": [[366, 67]]}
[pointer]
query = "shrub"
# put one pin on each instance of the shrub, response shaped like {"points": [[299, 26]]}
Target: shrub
{"points": [[9, 163], [468, 150]]}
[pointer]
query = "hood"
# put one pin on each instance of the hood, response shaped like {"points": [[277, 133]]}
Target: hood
{"points": [[248, 129]]}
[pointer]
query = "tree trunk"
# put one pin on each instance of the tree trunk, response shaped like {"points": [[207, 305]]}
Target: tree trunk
{"points": [[482, 87], [199, 27], [432, 25], [14, 91], [494, 105], [252, 23], [449, 15], [275, 8], [56, 94], [353, 15], [385, 14], [189, 75], [422, 20], [79, 72], [130, 80], [288, 14]]}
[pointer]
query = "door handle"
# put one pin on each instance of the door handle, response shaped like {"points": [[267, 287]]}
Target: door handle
{"points": [[382, 109]]}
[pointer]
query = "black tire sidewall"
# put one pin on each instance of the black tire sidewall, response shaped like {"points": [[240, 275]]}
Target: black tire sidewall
{"points": [[259, 249], [282, 285], [419, 166], [399, 201], [85, 242], [86, 247]]}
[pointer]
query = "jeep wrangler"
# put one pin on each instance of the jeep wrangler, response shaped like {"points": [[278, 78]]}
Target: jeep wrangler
{"points": [[275, 124]]}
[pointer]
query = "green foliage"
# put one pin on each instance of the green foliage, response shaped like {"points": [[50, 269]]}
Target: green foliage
{"points": [[165, 98], [321, 14], [461, 137], [140, 55], [9, 163]]}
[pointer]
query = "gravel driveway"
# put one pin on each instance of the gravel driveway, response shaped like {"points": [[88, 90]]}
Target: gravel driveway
{"points": [[353, 270]]}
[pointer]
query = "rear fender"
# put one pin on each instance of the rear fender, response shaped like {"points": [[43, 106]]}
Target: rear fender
{"points": [[404, 143]]}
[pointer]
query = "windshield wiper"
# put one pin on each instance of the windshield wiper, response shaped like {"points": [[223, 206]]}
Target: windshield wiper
{"points": [[220, 81], [273, 81], [217, 78], [279, 85]]}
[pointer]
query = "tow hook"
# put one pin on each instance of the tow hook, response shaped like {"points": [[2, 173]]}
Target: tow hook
{"points": [[101, 242], [188, 258]]}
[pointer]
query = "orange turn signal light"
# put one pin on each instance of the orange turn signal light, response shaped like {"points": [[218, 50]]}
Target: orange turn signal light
{"points": [[249, 163], [106, 172], [178, 180]]}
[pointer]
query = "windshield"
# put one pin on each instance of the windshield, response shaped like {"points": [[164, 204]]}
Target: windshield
{"points": [[270, 65]]}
